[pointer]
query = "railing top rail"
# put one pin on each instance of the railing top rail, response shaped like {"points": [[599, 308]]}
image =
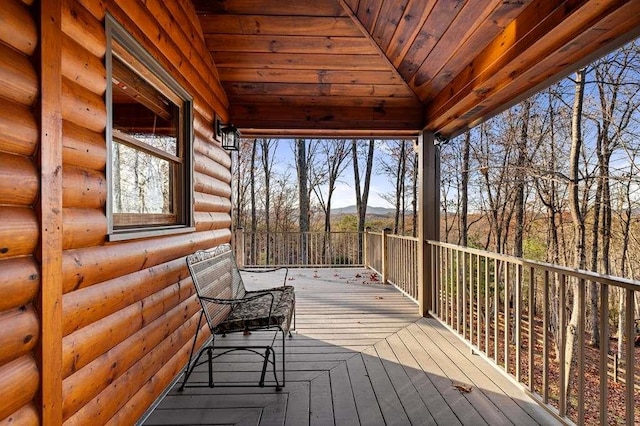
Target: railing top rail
{"points": [[374, 233], [402, 237], [298, 233], [565, 270]]}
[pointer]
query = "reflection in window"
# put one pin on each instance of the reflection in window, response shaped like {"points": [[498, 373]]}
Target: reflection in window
{"points": [[150, 146]]}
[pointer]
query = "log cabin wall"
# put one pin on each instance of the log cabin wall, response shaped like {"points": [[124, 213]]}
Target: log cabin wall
{"points": [[19, 235], [129, 311]]}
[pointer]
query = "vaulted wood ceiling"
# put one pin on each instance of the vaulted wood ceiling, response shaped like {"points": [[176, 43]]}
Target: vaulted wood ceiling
{"points": [[395, 67]]}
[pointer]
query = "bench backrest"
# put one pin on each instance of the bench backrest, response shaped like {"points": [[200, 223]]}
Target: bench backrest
{"points": [[215, 275]]}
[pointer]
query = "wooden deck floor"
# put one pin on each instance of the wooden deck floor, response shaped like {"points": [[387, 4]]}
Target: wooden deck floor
{"points": [[360, 355]]}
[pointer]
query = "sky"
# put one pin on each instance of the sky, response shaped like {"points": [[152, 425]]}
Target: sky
{"points": [[344, 194]]}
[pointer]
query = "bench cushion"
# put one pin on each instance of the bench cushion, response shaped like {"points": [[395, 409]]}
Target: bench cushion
{"points": [[254, 314]]}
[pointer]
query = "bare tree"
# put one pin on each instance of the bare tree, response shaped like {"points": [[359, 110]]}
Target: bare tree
{"points": [[254, 213], [302, 167], [578, 219], [362, 196], [267, 159], [464, 190]]}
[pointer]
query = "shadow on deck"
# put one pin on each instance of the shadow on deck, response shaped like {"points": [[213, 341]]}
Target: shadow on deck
{"points": [[360, 355]]}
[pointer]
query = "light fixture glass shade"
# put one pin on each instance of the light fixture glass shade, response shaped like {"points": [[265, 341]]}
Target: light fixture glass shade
{"points": [[228, 135], [230, 138]]}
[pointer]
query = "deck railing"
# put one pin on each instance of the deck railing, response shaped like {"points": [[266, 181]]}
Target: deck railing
{"points": [[373, 250], [402, 264], [395, 257], [518, 313], [298, 249]]}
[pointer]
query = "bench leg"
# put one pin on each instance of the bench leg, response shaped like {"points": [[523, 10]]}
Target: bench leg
{"points": [[284, 370], [275, 374], [264, 367], [210, 365], [189, 368]]}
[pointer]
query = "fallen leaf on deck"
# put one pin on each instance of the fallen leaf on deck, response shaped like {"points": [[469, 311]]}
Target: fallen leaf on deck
{"points": [[291, 278], [247, 332], [373, 277], [379, 297], [462, 387], [358, 276]]}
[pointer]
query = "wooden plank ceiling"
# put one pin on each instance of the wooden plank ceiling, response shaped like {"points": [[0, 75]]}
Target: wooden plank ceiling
{"points": [[395, 67]]}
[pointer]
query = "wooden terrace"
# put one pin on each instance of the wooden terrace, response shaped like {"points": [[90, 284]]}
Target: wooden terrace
{"points": [[360, 355]]}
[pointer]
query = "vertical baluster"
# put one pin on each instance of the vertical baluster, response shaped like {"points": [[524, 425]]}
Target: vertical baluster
{"points": [[581, 329], [506, 315], [442, 285], [446, 286], [629, 357], [496, 302], [451, 290], [532, 324], [545, 338], [487, 323], [458, 293], [435, 262], [471, 300], [604, 351], [517, 315], [464, 294], [478, 304], [562, 406]]}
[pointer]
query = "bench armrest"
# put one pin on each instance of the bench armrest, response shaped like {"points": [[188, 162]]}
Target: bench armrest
{"points": [[263, 270]]}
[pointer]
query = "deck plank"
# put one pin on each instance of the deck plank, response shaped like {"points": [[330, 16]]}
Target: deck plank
{"points": [[361, 355], [321, 408], [369, 411], [344, 404], [432, 399], [414, 406], [298, 404], [388, 399]]}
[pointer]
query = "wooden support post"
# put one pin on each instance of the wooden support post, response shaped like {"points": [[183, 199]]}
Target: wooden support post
{"points": [[239, 245], [385, 257], [50, 300], [428, 218]]}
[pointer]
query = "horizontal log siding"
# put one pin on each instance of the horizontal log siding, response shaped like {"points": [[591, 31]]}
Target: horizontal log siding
{"points": [[19, 281], [19, 380], [128, 308], [19, 229]]}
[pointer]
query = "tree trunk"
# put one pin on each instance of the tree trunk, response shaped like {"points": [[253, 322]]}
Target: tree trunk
{"points": [[464, 190], [577, 217], [399, 178], [521, 179], [362, 197], [302, 168], [265, 147], [414, 194], [254, 214]]}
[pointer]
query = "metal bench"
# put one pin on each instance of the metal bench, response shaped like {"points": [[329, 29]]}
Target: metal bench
{"points": [[229, 308]]}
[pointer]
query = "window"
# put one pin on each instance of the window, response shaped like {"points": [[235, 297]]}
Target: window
{"points": [[149, 136]]}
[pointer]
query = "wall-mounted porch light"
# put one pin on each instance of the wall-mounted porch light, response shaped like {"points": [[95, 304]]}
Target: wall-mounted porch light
{"points": [[228, 135]]}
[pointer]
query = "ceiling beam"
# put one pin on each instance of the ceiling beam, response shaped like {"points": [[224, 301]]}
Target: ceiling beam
{"points": [[615, 30], [543, 28]]}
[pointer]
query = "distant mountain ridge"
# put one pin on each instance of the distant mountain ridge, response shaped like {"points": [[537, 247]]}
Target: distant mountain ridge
{"points": [[381, 211]]}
